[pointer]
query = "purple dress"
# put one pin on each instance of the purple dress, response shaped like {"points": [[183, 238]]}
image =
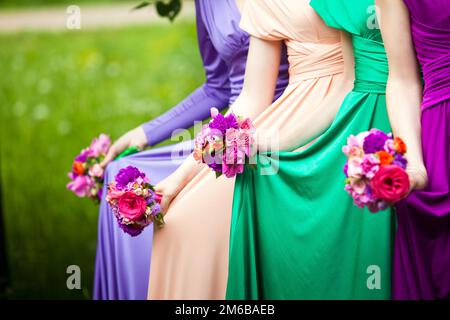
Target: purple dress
{"points": [[422, 248], [123, 263]]}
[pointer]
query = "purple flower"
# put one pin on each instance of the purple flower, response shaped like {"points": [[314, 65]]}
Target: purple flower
{"points": [[127, 175], [375, 141], [82, 157], [214, 159], [346, 169], [223, 123], [133, 230], [156, 209], [216, 167], [400, 161]]}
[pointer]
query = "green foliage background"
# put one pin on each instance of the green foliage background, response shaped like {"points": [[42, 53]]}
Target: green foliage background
{"points": [[58, 91], [44, 3]]}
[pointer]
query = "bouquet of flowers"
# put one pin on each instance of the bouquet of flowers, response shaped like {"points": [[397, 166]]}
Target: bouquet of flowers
{"points": [[224, 143], [87, 174], [375, 169], [134, 201]]}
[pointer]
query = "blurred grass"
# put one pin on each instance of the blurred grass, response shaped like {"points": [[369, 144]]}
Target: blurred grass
{"points": [[46, 3], [58, 91]]}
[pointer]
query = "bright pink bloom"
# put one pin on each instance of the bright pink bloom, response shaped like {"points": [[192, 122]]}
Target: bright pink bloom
{"points": [[99, 146], [390, 183], [132, 206], [81, 186]]}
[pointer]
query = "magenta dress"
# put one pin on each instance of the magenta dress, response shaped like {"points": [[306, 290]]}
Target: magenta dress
{"points": [[122, 263], [422, 247]]}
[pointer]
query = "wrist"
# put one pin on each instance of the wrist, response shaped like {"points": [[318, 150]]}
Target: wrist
{"points": [[146, 130]]}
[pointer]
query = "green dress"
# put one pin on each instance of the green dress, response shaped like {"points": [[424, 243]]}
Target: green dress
{"points": [[297, 234]]}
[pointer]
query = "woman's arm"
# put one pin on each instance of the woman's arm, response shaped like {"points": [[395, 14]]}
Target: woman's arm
{"points": [[404, 87], [261, 75]]}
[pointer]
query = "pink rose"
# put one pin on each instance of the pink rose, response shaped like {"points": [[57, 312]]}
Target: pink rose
{"points": [[358, 186], [370, 165], [99, 146], [355, 167], [239, 139], [234, 160], [81, 186], [131, 206], [390, 183], [96, 171], [247, 124], [354, 147], [113, 193], [232, 136]]}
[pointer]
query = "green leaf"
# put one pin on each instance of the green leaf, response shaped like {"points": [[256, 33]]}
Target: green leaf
{"points": [[141, 5], [165, 8], [218, 174], [169, 10]]}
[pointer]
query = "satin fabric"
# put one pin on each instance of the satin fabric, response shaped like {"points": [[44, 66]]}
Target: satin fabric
{"points": [[123, 262], [422, 247], [297, 234], [190, 254]]}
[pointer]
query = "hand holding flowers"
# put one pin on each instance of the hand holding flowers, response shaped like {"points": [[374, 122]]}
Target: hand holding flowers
{"points": [[376, 169], [135, 138], [87, 174], [134, 201], [224, 143]]}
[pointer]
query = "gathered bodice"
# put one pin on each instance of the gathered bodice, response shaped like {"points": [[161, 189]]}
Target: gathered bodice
{"points": [[371, 65], [359, 18], [314, 50], [430, 28], [313, 60]]}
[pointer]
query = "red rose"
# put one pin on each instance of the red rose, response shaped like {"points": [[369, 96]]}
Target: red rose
{"points": [[132, 206], [390, 183]]}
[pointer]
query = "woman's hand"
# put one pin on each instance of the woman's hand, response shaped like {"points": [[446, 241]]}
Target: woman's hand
{"points": [[418, 178], [133, 138], [168, 189]]}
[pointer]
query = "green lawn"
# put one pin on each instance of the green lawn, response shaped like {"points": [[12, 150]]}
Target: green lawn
{"points": [[58, 91], [46, 3]]}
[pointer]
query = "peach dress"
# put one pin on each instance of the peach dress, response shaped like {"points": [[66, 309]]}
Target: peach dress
{"points": [[190, 254]]}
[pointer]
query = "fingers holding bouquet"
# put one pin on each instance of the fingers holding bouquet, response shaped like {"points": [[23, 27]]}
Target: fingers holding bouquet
{"points": [[418, 177], [134, 139], [225, 143], [167, 190], [377, 171], [87, 174]]}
